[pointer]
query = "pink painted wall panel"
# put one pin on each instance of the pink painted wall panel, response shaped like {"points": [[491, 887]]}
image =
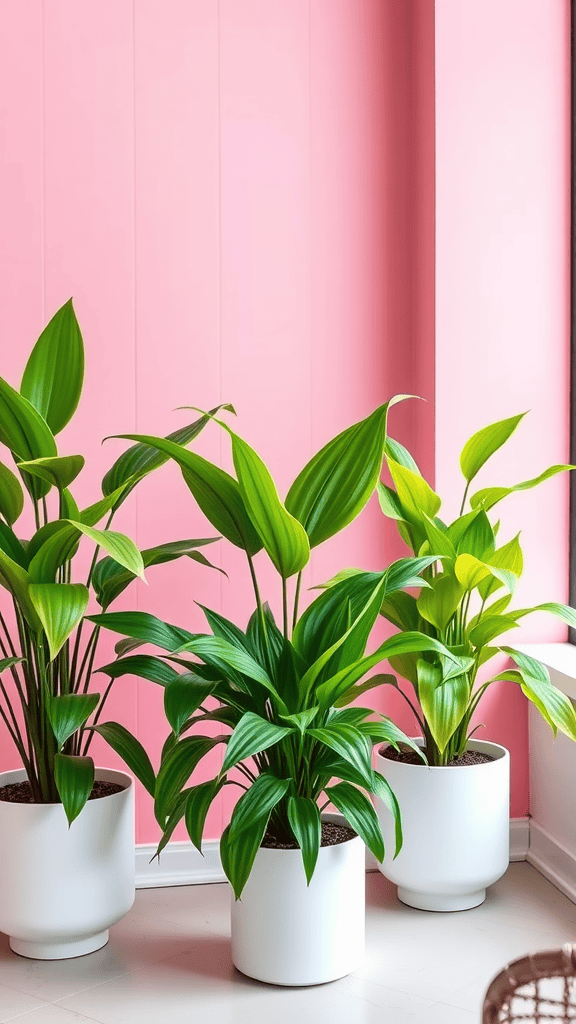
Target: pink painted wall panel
{"points": [[502, 285]]}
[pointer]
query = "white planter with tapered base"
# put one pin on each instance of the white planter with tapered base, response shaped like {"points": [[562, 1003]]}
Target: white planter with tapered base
{"points": [[287, 933], [62, 888], [456, 829]]}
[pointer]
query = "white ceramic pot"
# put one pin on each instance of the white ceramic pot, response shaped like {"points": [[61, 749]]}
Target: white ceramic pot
{"points": [[61, 888], [287, 933], [456, 829]]}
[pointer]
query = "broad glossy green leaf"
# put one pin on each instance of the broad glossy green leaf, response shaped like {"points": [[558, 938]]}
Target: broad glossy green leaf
{"points": [[182, 697], [118, 545], [60, 607], [415, 495], [6, 663], [490, 496], [489, 627], [177, 768], [478, 538], [383, 789], [559, 709], [142, 459], [259, 799], [11, 495], [74, 777], [384, 731], [390, 503], [301, 719], [335, 485], [25, 433], [58, 471], [562, 611], [528, 665], [484, 443], [360, 814], [68, 712], [508, 557], [438, 538], [444, 703], [146, 666], [70, 509], [110, 579], [144, 627], [252, 735], [12, 547], [401, 610], [399, 453], [438, 603], [471, 571], [175, 817], [238, 857], [17, 581], [130, 750], [382, 679], [304, 818], [94, 513], [349, 743], [54, 373], [283, 536], [197, 806], [222, 655], [50, 548]]}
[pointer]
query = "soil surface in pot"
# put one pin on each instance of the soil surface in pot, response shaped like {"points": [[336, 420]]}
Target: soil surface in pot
{"points": [[21, 792], [332, 835], [410, 757]]}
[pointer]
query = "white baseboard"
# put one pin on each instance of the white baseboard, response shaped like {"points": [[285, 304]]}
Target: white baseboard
{"points": [[181, 864], [552, 860]]}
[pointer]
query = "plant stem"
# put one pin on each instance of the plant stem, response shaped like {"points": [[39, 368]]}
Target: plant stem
{"points": [[285, 607], [464, 498], [296, 599]]}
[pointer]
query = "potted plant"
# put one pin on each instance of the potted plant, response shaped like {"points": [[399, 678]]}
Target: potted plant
{"points": [[295, 744], [66, 861], [456, 811]]}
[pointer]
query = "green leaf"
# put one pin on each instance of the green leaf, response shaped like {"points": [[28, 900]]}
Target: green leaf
{"points": [[182, 697], [528, 665], [146, 666], [484, 443], [197, 806], [50, 547], [283, 536], [17, 580], [301, 719], [177, 813], [68, 712], [478, 538], [389, 502], [58, 471], [382, 679], [238, 857], [177, 768], [489, 627], [130, 750], [225, 657], [562, 611], [397, 451], [360, 814], [118, 545], [74, 778], [54, 373], [110, 579], [401, 610], [252, 735], [490, 496], [304, 818], [11, 495], [335, 485], [144, 627], [142, 459], [415, 495], [507, 557], [471, 571], [438, 538], [6, 663], [25, 433], [349, 743], [258, 800], [439, 603], [383, 789], [60, 607], [94, 513], [552, 703], [444, 703], [11, 546]]}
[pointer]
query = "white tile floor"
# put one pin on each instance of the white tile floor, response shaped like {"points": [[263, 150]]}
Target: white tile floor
{"points": [[169, 962]]}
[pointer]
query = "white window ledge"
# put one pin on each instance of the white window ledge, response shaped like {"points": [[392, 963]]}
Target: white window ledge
{"points": [[560, 660]]}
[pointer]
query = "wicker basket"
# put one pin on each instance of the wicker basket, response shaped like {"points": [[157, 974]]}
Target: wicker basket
{"points": [[535, 989]]}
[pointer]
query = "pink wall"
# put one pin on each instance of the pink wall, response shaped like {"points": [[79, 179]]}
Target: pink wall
{"points": [[240, 198], [502, 286]]}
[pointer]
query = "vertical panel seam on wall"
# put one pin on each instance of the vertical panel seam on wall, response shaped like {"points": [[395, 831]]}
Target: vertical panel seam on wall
{"points": [[42, 171], [220, 368], [135, 317], [310, 259]]}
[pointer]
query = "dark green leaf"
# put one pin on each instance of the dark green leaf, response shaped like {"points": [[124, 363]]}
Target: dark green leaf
{"points": [[258, 800], [144, 627], [58, 471], [182, 697], [383, 789], [11, 495], [146, 666], [304, 818], [110, 579], [68, 712], [238, 857], [252, 735], [197, 806], [360, 814], [74, 778], [130, 750], [349, 743], [177, 768], [54, 373]]}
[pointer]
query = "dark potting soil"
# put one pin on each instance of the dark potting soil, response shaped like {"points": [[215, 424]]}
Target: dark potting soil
{"points": [[332, 835], [21, 792], [410, 757]]}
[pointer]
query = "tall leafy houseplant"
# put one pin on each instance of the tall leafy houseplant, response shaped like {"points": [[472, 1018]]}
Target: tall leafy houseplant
{"points": [[466, 604], [48, 709], [295, 743]]}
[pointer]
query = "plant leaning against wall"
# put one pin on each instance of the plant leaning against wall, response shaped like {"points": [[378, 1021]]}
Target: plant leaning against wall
{"points": [[285, 694], [466, 605], [47, 655]]}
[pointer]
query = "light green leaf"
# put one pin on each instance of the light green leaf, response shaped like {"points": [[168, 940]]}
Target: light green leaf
{"points": [[559, 709], [439, 603], [444, 703], [284, 538], [397, 451], [416, 496], [304, 818], [484, 443], [11, 495], [54, 373], [335, 485], [490, 496], [360, 814], [68, 712], [389, 503], [118, 545], [51, 546], [471, 571], [74, 778], [258, 800], [58, 471], [60, 607], [25, 433], [252, 735], [508, 557], [489, 627], [562, 611], [130, 750]]}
